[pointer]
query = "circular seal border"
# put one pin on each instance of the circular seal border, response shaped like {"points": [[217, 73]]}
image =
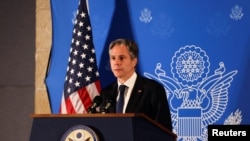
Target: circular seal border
{"points": [[77, 128]]}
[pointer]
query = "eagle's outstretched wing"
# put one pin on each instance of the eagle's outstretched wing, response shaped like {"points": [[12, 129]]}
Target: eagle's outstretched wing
{"points": [[216, 90]]}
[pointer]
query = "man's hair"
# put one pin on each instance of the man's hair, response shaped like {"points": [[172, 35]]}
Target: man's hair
{"points": [[131, 45]]}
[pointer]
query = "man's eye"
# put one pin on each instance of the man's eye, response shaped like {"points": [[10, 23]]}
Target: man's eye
{"points": [[121, 58]]}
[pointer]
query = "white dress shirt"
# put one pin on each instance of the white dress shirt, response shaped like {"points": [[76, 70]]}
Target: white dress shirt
{"points": [[130, 84]]}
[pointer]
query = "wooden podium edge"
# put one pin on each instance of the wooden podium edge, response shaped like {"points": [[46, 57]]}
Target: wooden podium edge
{"points": [[98, 115]]}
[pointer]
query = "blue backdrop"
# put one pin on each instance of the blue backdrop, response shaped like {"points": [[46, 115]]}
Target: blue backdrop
{"points": [[198, 49]]}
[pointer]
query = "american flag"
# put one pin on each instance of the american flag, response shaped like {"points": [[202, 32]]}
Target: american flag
{"points": [[82, 82]]}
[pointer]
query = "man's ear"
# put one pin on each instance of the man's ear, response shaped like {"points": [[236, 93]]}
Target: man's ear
{"points": [[135, 60]]}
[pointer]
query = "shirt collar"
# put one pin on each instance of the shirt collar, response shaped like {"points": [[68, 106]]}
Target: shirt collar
{"points": [[130, 82]]}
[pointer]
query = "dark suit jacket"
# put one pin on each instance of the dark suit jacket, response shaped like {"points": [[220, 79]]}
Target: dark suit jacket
{"points": [[148, 97]]}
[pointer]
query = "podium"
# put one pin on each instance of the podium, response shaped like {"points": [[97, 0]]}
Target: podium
{"points": [[108, 127]]}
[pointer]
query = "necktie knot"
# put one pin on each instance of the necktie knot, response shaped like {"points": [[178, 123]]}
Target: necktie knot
{"points": [[122, 89], [120, 102]]}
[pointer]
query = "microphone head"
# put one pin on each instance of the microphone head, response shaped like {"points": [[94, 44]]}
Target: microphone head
{"points": [[110, 103], [97, 100], [112, 100]]}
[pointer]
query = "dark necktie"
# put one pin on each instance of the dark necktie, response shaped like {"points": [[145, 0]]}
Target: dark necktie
{"points": [[120, 103]]}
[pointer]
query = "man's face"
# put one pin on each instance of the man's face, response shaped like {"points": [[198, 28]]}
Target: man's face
{"points": [[121, 63]]}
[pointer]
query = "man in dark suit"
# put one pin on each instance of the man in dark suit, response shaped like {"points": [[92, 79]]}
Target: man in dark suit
{"points": [[141, 95]]}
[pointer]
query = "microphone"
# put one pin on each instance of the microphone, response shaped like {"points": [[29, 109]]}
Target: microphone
{"points": [[96, 102], [110, 102]]}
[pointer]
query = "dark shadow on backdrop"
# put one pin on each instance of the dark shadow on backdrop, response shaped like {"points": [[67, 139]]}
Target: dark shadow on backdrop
{"points": [[121, 27], [245, 89]]}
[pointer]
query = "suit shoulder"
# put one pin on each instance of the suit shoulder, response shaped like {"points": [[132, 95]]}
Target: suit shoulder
{"points": [[110, 86], [150, 81]]}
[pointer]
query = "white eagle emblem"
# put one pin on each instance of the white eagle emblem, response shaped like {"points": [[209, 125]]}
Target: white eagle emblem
{"points": [[196, 99]]}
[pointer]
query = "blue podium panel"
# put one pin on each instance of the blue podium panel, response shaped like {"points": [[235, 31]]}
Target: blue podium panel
{"points": [[107, 127]]}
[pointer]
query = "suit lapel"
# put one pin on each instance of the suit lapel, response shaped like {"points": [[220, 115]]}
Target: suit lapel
{"points": [[135, 94], [112, 91]]}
